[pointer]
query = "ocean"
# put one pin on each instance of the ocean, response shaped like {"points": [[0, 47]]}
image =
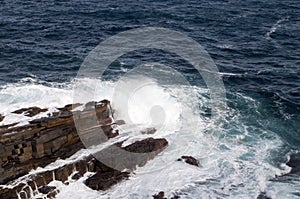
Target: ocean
{"points": [[254, 44]]}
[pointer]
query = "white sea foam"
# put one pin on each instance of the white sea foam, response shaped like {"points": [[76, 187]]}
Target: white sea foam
{"points": [[275, 26], [235, 160]]}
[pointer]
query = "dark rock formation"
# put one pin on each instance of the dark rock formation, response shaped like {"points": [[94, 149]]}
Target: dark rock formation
{"points": [[263, 195], [104, 180], [69, 107], [105, 177], [294, 163], [1, 118], [190, 160], [31, 111], [46, 189], [160, 195], [133, 155]]}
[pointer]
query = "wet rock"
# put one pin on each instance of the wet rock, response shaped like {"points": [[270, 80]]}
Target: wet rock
{"points": [[106, 177], [64, 172], [104, 180], [8, 193], [120, 122], [5, 127], [1, 118], [160, 195], [46, 189], [31, 111], [43, 140], [263, 195], [148, 131], [147, 145], [76, 176], [69, 107], [294, 163], [190, 160]]}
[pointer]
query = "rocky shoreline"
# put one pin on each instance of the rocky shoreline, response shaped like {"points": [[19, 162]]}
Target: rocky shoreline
{"points": [[28, 150], [45, 140]]}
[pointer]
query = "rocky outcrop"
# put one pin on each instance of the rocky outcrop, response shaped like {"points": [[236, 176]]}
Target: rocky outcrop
{"points": [[105, 177], [190, 160], [42, 141], [31, 111]]}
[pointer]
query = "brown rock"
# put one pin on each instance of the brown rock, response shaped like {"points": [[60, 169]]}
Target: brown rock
{"points": [[106, 177], [64, 172], [70, 107], [76, 176], [46, 189], [31, 111], [104, 180], [43, 140], [190, 160], [8, 193], [147, 145], [1, 118]]}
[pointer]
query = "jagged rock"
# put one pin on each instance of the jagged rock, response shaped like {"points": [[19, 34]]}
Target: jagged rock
{"points": [[46, 189], [106, 177], [104, 180], [160, 195], [119, 122], [43, 140], [294, 162], [147, 145], [70, 107], [8, 193], [76, 176], [1, 118], [190, 160], [263, 195], [5, 127], [31, 111]]}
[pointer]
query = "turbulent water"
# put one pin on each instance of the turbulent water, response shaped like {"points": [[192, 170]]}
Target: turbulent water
{"points": [[255, 45]]}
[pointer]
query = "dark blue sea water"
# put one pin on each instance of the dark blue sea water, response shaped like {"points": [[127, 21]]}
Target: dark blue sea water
{"points": [[255, 44]]}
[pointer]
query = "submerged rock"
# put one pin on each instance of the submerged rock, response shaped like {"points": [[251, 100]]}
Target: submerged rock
{"points": [[294, 163], [263, 195]]}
